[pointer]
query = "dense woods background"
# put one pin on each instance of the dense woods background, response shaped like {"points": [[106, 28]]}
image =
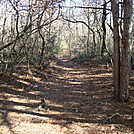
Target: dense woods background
{"points": [[34, 33]]}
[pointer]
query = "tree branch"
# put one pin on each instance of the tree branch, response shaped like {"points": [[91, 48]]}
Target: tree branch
{"points": [[75, 21], [86, 7], [25, 30]]}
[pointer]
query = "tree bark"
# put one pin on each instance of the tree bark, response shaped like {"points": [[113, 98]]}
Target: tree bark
{"points": [[125, 67], [116, 61], [121, 73], [103, 49]]}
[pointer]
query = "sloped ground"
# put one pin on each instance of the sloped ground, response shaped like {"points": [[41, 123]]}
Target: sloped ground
{"points": [[78, 101]]}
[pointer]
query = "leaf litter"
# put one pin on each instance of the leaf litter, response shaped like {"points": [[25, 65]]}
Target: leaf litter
{"points": [[78, 100]]}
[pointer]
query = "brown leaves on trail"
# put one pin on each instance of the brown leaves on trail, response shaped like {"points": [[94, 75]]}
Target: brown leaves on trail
{"points": [[78, 100]]}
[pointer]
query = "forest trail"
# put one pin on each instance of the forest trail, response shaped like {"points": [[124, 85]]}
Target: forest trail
{"points": [[78, 101]]}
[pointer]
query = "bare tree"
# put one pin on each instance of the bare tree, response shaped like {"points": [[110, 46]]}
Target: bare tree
{"points": [[125, 60], [103, 49], [121, 72], [116, 67]]}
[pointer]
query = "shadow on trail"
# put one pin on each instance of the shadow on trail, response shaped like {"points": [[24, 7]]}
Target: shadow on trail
{"points": [[77, 93]]}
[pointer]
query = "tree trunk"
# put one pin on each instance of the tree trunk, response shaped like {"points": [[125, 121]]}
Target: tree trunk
{"points": [[121, 73], [125, 67], [116, 67], [103, 49]]}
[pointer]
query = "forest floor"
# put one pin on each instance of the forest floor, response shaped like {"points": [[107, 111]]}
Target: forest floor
{"points": [[78, 100]]}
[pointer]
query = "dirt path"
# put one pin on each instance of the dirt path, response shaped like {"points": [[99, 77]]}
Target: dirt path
{"points": [[78, 101]]}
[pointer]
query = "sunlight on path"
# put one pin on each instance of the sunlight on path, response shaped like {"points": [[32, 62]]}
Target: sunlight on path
{"points": [[78, 101]]}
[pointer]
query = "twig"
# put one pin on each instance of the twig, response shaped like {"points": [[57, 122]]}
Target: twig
{"points": [[109, 119], [41, 104]]}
